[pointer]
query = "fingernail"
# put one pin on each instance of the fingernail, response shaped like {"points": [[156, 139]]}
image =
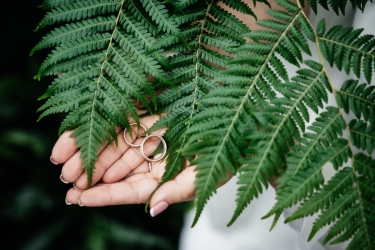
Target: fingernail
{"points": [[53, 161], [158, 208], [67, 203], [79, 203], [75, 186], [62, 179]]}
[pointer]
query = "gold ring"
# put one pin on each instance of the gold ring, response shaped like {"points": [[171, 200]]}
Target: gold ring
{"points": [[133, 145], [164, 148]]}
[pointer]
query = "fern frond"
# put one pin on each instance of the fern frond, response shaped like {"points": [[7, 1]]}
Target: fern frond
{"points": [[91, 58], [189, 16], [135, 8], [101, 59], [304, 173], [92, 131], [215, 134], [357, 98], [337, 6], [168, 39], [320, 200], [73, 49], [362, 135], [183, 4], [159, 14], [348, 50], [79, 10], [195, 70], [49, 4], [75, 31], [132, 26], [232, 108], [347, 201], [240, 7], [70, 79]]}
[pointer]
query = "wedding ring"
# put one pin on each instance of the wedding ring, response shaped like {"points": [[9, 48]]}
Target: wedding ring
{"points": [[164, 148], [149, 165], [133, 145]]}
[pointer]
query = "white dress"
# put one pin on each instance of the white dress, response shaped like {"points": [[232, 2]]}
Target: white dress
{"points": [[249, 232]]}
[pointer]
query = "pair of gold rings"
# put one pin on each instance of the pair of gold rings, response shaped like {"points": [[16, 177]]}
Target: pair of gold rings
{"points": [[141, 145]]}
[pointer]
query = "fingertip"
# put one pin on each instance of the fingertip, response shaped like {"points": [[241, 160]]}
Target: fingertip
{"points": [[53, 161], [63, 149], [158, 208], [72, 196]]}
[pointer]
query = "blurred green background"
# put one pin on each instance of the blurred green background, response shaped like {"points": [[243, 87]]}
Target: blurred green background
{"points": [[33, 211]]}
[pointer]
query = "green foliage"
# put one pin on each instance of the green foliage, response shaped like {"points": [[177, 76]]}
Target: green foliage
{"points": [[337, 6], [101, 62], [233, 108]]}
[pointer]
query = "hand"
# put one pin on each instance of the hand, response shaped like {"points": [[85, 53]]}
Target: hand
{"points": [[113, 165]]}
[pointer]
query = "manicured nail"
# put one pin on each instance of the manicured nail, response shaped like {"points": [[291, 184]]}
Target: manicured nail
{"points": [[62, 179], [79, 203], [67, 203], [158, 208], [53, 161]]}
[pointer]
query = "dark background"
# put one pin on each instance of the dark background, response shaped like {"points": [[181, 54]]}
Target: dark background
{"points": [[33, 210]]}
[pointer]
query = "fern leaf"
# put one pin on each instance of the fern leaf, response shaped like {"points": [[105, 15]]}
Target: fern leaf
{"points": [[195, 70], [344, 46], [337, 6], [75, 31], [102, 64], [49, 4], [131, 26], [189, 16], [357, 98], [88, 59], [79, 10], [168, 39], [306, 160], [228, 19], [362, 135], [70, 79], [136, 51], [74, 48], [240, 7], [352, 209], [183, 4], [246, 95], [159, 14], [92, 131]]}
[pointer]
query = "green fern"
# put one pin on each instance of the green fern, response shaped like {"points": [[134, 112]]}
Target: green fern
{"points": [[347, 49], [101, 61], [231, 106], [194, 71], [337, 6]]}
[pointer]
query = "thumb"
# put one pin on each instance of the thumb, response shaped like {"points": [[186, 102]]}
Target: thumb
{"points": [[180, 189]]}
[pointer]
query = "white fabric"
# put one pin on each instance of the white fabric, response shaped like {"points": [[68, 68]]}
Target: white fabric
{"points": [[249, 231]]}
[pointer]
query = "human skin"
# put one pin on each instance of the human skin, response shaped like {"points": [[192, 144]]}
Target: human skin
{"points": [[121, 174]]}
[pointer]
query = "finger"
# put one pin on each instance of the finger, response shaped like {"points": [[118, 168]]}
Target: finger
{"points": [[180, 189], [113, 194], [64, 148], [72, 168], [141, 169], [120, 160], [157, 170], [132, 158]]}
